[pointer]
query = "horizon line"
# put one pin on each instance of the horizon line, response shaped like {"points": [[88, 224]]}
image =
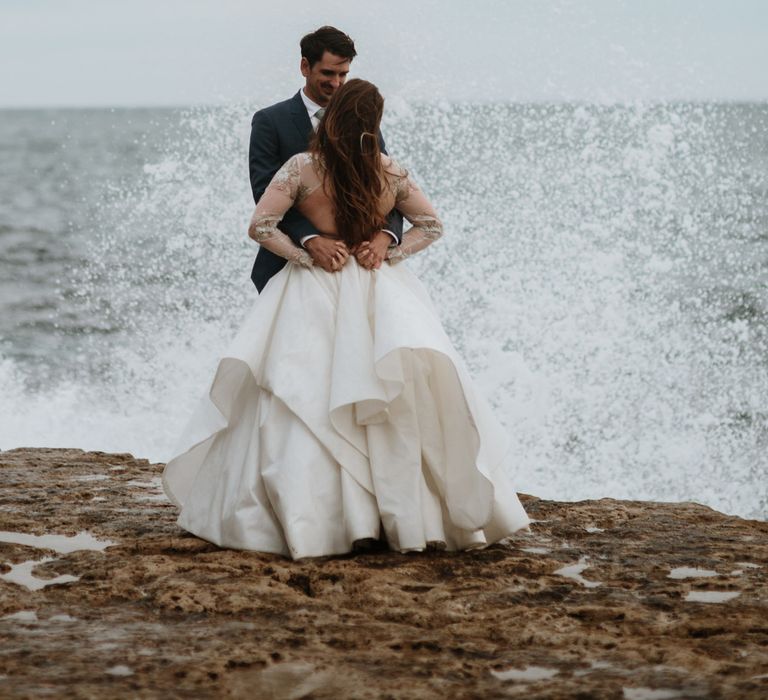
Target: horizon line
{"points": [[549, 101]]}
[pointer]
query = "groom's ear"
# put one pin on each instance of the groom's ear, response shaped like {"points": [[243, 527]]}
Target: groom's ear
{"points": [[305, 67]]}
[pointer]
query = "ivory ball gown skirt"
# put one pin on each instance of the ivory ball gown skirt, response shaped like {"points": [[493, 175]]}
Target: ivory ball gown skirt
{"points": [[341, 407]]}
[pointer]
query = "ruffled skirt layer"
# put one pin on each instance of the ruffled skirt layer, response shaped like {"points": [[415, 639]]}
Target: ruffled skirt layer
{"points": [[340, 408]]}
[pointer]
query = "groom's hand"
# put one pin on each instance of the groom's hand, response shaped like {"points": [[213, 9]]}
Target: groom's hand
{"points": [[328, 253], [370, 254]]}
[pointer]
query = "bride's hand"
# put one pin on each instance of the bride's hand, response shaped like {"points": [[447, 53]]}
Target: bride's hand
{"points": [[328, 253], [370, 254]]}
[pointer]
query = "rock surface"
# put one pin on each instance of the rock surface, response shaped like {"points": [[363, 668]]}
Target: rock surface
{"points": [[603, 599]]}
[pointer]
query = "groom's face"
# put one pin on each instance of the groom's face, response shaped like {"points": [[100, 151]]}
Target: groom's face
{"points": [[325, 77]]}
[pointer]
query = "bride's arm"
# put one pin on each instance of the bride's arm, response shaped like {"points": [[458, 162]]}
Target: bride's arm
{"points": [[278, 198], [414, 206]]}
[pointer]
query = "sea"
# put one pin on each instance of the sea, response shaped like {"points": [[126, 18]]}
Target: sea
{"points": [[604, 273]]}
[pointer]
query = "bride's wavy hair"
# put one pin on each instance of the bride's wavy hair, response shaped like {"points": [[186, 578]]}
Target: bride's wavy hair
{"points": [[347, 144]]}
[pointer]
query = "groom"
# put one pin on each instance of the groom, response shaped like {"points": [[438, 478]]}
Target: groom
{"points": [[284, 129]]}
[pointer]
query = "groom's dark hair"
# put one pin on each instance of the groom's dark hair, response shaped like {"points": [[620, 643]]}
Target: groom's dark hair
{"points": [[314, 45]]}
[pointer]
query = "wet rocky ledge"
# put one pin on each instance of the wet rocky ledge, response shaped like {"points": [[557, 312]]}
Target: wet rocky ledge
{"points": [[102, 595]]}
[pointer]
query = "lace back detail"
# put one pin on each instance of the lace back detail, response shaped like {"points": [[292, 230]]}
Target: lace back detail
{"points": [[404, 186], [430, 225], [283, 191], [415, 207], [263, 227], [289, 180], [300, 175]]}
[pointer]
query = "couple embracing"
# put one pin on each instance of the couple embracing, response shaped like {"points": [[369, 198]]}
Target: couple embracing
{"points": [[341, 416]]}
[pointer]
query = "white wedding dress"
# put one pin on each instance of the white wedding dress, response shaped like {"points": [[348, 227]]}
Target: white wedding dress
{"points": [[341, 407]]}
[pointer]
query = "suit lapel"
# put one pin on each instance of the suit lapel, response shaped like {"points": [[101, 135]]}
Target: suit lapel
{"points": [[301, 118]]}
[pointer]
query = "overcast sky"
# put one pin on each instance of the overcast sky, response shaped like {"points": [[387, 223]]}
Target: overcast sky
{"points": [[181, 52]]}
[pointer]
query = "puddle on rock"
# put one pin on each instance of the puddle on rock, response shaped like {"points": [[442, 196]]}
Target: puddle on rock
{"points": [[62, 544], [527, 674], [21, 616], [641, 693], [574, 571], [119, 670], [21, 575], [690, 572], [711, 596]]}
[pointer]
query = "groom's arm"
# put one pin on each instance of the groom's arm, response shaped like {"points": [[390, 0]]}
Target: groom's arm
{"points": [[264, 160]]}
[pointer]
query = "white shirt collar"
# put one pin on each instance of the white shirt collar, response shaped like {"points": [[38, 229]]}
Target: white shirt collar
{"points": [[311, 105]]}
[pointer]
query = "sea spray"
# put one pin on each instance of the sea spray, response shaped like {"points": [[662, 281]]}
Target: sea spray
{"points": [[602, 273]]}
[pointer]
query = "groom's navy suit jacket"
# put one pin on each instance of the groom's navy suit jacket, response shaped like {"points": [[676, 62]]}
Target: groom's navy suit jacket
{"points": [[277, 133]]}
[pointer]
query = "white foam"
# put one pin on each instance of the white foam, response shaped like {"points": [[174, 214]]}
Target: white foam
{"points": [[592, 529], [90, 477], [688, 572], [527, 674], [21, 575], [63, 544], [574, 571], [612, 290], [711, 596], [536, 550]]}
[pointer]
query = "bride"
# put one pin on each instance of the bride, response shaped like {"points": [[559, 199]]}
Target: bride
{"points": [[340, 408]]}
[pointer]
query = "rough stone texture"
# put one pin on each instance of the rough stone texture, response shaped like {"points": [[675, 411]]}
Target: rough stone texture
{"points": [[163, 614]]}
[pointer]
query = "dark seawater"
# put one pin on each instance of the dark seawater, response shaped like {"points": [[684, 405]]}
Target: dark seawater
{"points": [[604, 273]]}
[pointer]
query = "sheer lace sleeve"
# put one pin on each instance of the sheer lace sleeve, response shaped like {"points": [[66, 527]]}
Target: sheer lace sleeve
{"points": [[282, 192], [414, 206]]}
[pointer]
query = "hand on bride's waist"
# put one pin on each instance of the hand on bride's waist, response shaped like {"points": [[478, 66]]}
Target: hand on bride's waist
{"points": [[371, 254], [331, 253], [328, 252]]}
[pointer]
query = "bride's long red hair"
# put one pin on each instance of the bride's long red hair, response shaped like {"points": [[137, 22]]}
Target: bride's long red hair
{"points": [[347, 145]]}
